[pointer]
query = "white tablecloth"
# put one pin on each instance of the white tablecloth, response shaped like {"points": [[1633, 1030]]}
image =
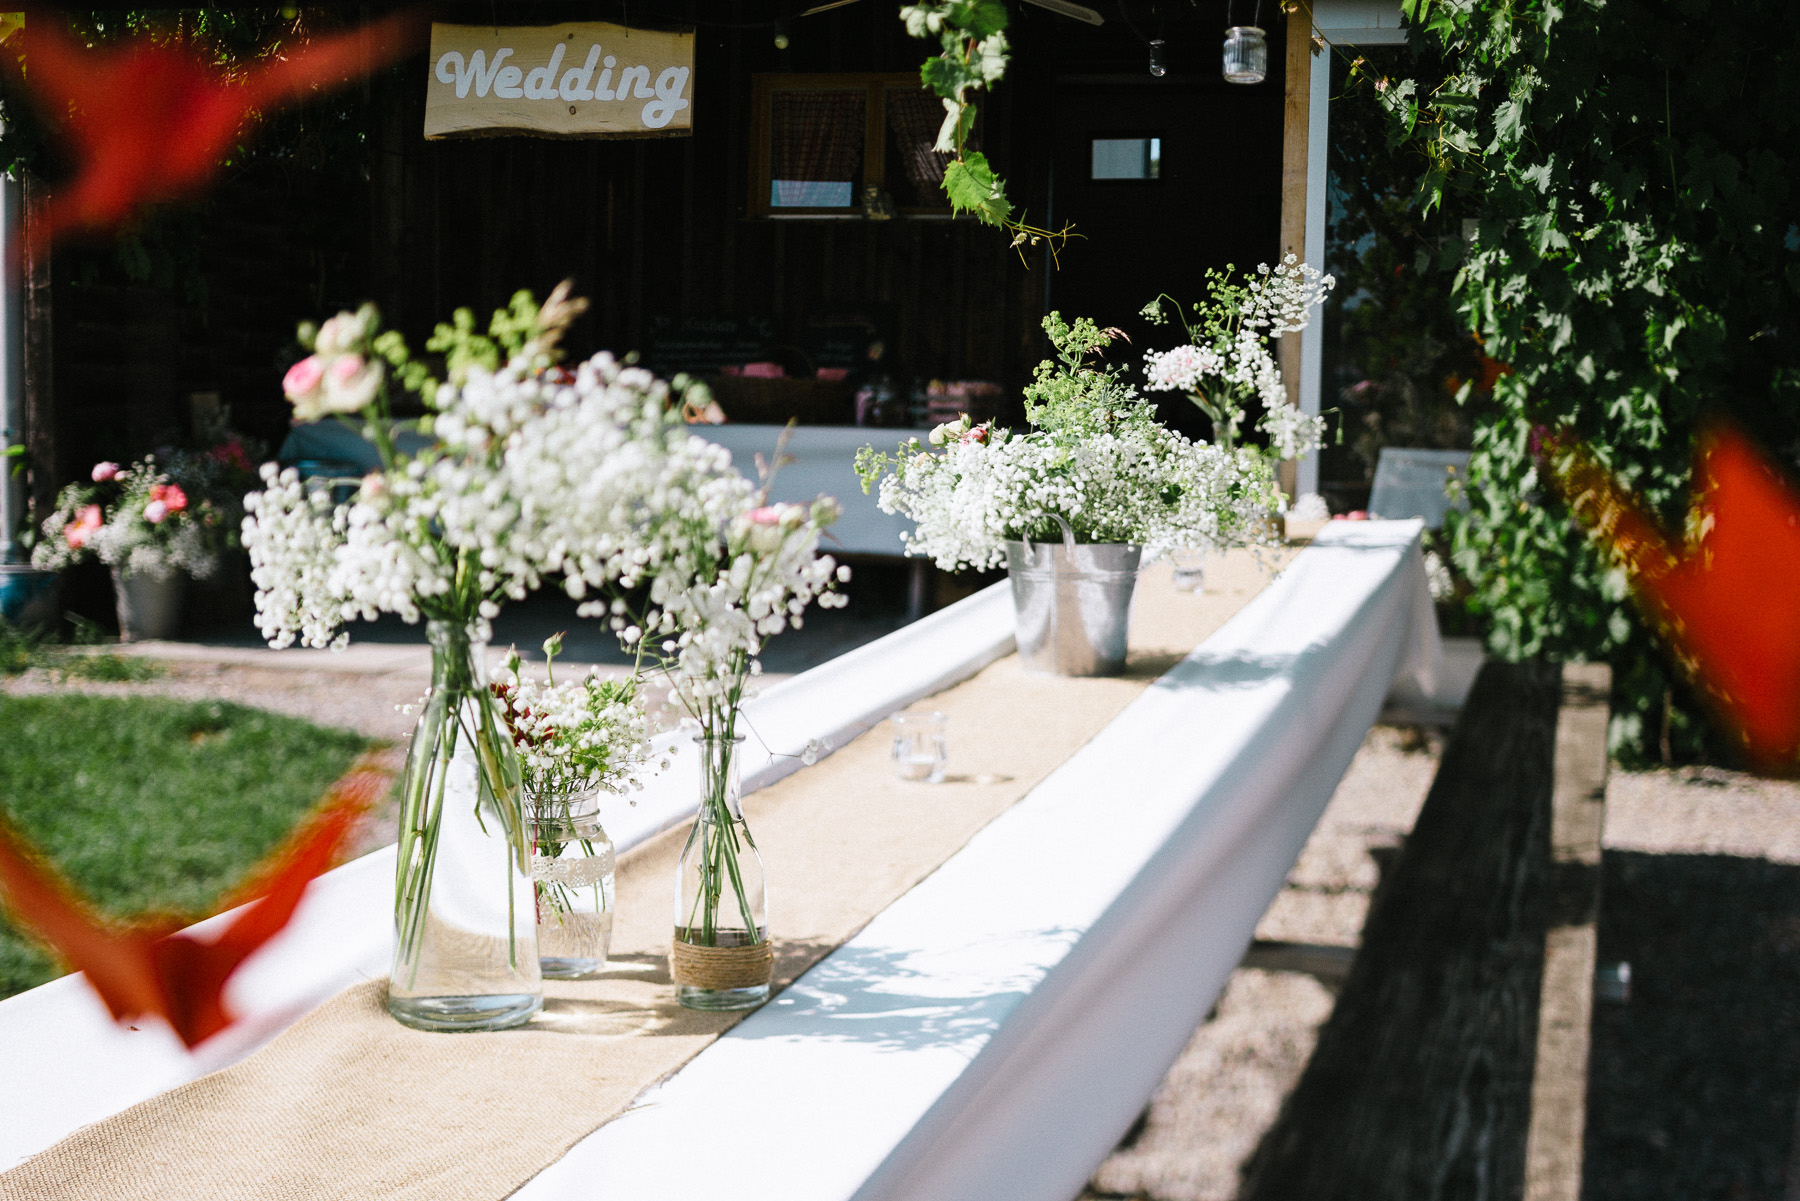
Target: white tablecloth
{"points": [[995, 1031], [823, 462]]}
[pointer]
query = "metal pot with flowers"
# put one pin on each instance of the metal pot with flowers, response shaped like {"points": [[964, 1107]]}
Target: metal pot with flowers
{"points": [[150, 530], [1074, 505]]}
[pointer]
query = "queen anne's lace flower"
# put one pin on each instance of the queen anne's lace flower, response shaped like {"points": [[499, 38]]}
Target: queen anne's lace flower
{"points": [[1228, 361]]}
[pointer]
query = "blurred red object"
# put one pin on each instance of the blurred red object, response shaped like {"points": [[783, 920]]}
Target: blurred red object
{"points": [[1729, 604], [148, 968], [147, 122]]}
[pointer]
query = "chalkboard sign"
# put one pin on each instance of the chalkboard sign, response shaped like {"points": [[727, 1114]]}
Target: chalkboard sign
{"points": [[840, 342], [702, 345]]}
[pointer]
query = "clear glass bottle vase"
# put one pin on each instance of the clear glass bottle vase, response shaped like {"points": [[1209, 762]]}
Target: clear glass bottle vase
{"points": [[721, 957], [572, 872], [465, 950]]}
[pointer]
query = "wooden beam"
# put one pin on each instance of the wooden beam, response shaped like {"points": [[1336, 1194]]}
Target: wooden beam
{"points": [[1296, 121], [1420, 1088], [1554, 1140]]}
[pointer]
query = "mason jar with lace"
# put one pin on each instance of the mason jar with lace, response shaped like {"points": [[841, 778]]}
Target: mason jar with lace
{"points": [[572, 876]]}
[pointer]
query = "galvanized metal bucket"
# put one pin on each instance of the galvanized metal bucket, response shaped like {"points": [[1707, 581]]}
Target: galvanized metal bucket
{"points": [[1072, 604]]}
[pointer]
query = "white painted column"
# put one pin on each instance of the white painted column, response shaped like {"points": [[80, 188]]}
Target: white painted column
{"points": [[1312, 338]]}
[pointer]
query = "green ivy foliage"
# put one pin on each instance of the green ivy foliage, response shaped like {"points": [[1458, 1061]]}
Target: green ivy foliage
{"points": [[1637, 263]]}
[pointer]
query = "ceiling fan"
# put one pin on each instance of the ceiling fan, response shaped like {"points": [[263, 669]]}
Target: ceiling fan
{"points": [[1066, 8]]}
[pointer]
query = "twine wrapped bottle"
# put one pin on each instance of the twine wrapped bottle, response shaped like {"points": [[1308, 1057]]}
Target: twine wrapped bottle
{"points": [[721, 957]]}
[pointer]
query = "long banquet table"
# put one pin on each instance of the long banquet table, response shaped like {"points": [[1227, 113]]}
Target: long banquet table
{"points": [[990, 1034]]}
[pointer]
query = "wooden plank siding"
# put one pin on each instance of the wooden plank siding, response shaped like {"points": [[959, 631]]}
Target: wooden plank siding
{"points": [[646, 228]]}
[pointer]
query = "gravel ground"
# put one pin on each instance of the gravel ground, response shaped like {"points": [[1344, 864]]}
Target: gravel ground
{"points": [[1224, 1092], [1694, 1080]]}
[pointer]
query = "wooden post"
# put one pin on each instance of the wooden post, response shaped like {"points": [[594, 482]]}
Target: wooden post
{"points": [[1296, 120], [40, 401]]}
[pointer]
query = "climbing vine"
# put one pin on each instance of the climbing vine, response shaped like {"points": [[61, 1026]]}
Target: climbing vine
{"points": [[972, 35], [1634, 257]]}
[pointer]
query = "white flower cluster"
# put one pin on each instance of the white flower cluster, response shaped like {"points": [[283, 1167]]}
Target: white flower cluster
{"points": [[717, 594], [588, 475], [1143, 484], [1292, 432], [1281, 300], [1244, 365], [293, 535], [1228, 360], [591, 733]]}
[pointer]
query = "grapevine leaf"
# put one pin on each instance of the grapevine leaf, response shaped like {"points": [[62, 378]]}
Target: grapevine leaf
{"points": [[972, 188], [982, 18]]}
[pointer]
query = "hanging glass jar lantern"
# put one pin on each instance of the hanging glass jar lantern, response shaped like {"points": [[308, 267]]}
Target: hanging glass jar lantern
{"points": [[1246, 54]]}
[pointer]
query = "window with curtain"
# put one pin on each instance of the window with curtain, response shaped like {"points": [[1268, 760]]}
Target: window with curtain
{"points": [[827, 144], [816, 148]]}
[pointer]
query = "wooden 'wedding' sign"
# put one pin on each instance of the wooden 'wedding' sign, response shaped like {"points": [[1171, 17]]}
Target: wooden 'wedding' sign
{"points": [[583, 80]]}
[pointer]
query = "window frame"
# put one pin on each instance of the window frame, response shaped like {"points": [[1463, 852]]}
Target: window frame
{"points": [[874, 85], [1131, 135]]}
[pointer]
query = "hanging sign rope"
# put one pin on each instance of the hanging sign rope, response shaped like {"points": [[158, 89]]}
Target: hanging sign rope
{"points": [[583, 80]]}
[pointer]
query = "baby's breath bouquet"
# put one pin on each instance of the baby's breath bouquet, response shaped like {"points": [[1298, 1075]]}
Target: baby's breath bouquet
{"points": [[585, 475], [586, 733], [719, 577], [576, 740], [1095, 463]]}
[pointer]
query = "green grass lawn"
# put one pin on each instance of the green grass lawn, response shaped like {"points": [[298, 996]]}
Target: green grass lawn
{"points": [[153, 804]]}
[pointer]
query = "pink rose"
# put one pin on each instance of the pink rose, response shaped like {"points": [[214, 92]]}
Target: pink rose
{"points": [[172, 498], [105, 471], [303, 377], [351, 383], [155, 511], [77, 532], [767, 515]]}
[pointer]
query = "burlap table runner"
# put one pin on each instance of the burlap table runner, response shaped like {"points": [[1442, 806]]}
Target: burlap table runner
{"points": [[349, 1104]]}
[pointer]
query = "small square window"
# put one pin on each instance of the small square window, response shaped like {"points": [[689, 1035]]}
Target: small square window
{"points": [[1126, 158]]}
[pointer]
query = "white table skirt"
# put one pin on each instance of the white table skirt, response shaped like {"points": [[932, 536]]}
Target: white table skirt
{"points": [[995, 1031], [823, 462]]}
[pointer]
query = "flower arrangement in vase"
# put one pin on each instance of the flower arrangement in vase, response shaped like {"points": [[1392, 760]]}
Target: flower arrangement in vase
{"points": [[1074, 504], [720, 573], [576, 740], [436, 535], [148, 528], [537, 471]]}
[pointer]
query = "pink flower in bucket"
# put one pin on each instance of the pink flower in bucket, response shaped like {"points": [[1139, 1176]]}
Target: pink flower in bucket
{"points": [[77, 532], [170, 496]]}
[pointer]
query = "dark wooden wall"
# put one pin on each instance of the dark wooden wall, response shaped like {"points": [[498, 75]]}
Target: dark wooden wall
{"points": [[657, 226]]}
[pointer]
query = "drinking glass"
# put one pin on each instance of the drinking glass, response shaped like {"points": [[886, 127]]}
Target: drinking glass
{"points": [[920, 749]]}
